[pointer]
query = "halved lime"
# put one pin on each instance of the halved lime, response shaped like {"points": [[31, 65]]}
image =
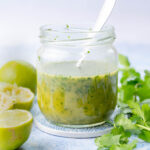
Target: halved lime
{"points": [[22, 97], [6, 102], [15, 128]]}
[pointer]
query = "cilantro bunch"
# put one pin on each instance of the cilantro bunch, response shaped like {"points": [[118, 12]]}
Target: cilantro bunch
{"points": [[134, 105]]}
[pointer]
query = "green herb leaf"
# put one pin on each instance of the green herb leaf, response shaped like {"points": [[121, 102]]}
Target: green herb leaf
{"points": [[143, 91], [129, 146], [130, 76], [136, 109], [121, 120], [145, 135], [124, 134], [127, 93], [108, 140], [124, 60], [134, 101], [146, 111]]}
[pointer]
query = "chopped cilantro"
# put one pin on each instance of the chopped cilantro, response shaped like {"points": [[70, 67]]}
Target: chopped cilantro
{"points": [[39, 58], [124, 60], [67, 26]]}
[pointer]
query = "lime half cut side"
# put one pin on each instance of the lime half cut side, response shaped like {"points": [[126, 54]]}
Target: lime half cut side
{"points": [[15, 128], [6, 102], [22, 97]]}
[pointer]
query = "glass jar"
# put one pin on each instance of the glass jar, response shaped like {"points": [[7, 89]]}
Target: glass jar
{"points": [[77, 96]]}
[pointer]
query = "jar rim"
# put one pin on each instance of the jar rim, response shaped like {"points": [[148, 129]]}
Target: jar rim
{"points": [[73, 33]]}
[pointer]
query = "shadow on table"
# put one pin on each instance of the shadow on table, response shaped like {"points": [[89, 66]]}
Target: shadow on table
{"points": [[35, 148]]}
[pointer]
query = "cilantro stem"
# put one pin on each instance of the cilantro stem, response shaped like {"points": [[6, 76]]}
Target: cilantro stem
{"points": [[143, 127]]}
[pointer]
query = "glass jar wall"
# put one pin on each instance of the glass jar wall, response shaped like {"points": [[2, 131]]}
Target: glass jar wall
{"points": [[77, 96]]}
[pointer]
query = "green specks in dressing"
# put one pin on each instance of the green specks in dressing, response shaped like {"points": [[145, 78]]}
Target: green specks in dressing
{"points": [[77, 100]]}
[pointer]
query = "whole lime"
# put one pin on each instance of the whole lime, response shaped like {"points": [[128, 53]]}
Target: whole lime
{"points": [[20, 73]]}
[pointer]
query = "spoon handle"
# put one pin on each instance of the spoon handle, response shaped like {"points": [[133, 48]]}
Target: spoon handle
{"points": [[102, 18], [104, 14]]}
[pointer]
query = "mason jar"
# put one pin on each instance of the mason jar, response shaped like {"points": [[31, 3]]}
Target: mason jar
{"points": [[77, 75]]}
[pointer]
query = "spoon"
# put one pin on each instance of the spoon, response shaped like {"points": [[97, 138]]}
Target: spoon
{"points": [[102, 18]]}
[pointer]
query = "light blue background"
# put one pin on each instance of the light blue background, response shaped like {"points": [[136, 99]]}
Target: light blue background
{"points": [[20, 21]]}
